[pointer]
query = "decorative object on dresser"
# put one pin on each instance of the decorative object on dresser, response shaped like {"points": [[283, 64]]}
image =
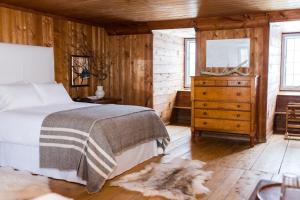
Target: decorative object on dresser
{"points": [[105, 100], [227, 71], [225, 104]]}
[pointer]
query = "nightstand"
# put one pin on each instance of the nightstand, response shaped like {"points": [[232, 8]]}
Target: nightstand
{"points": [[105, 100]]}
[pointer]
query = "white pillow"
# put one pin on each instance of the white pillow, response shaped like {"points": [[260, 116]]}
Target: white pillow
{"points": [[14, 96], [52, 93]]}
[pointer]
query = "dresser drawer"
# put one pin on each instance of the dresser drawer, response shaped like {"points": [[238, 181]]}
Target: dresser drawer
{"points": [[222, 114], [234, 94], [233, 126], [204, 83], [210, 83], [239, 83], [223, 106]]}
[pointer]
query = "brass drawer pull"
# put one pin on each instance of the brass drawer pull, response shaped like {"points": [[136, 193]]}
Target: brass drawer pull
{"points": [[203, 82], [238, 94], [204, 93], [239, 83], [238, 125], [205, 104], [204, 123], [238, 106], [204, 113], [238, 115]]}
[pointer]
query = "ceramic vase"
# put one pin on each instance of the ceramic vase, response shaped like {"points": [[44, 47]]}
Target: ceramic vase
{"points": [[100, 92]]}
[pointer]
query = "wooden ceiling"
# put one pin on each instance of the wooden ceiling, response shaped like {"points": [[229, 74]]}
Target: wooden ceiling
{"points": [[109, 11]]}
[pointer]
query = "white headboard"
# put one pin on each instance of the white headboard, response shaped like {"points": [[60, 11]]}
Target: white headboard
{"points": [[26, 63]]}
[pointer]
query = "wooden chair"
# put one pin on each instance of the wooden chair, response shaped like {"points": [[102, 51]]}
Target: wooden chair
{"points": [[292, 121]]}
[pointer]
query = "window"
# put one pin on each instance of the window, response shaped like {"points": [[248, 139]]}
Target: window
{"points": [[189, 61], [290, 68]]}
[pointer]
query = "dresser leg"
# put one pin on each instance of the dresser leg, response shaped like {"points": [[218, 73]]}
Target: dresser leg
{"points": [[194, 134], [252, 141]]}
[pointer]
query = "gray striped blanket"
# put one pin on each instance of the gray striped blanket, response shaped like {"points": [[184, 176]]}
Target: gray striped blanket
{"points": [[88, 139]]}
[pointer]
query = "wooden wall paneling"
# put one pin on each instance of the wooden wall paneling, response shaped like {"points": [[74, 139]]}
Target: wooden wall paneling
{"points": [[168, 68], [25, 28], [262, 51], [203, 36], [72, 38], [149, 72], [131, 77], [273, 73], [65, 36], [258, 61]]}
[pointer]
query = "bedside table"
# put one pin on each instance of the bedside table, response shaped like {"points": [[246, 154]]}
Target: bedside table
{"points": [[105, 100]]}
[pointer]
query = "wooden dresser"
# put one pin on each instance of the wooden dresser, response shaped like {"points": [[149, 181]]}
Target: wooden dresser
{"points": [[224, 104]]}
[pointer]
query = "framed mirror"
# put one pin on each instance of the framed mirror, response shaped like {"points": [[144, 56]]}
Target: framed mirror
{"points": [[228, 52]]}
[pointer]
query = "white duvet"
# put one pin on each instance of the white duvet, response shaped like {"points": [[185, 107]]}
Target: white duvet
{"points": [[22, 126]]}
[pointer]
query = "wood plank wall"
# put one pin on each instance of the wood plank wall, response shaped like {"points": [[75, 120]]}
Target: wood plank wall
{"points": [[71, 38], [259, 37], [131, 59], [273, 73], [20, 27], [130, 56], [168, 67], [66, 37]]}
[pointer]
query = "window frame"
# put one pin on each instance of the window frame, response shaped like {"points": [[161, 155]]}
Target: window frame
{"points": [[283, 87], [186, 40]]}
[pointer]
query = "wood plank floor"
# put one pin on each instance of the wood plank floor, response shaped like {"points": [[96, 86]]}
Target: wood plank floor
{"points": [[237, 168]]}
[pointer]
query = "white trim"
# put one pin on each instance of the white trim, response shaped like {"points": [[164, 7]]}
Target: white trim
{"points": [[99, 160], [101, 151], [65, 146], [69, 138], [68, 130], [99, 171]]}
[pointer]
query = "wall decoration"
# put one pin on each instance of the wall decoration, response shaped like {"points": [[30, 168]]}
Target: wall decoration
{"points": [[227, 71], [80, 71]]}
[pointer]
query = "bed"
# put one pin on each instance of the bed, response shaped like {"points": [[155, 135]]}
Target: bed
{"points": [[20, 130]]}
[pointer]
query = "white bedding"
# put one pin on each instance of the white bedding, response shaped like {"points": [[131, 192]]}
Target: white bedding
{"points": [[19, 143], [22, 126]]}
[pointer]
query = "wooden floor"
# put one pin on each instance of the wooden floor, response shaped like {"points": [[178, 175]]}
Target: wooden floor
{"points": [[237, 168]]}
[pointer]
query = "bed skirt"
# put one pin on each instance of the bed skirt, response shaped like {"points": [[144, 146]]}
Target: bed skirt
{"points": [[24, 157]]}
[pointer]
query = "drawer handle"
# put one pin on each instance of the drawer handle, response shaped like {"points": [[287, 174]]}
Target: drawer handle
{"points": [[204, 93], [204, 123], [238, 115], [203, 82], [238, 125], [238, 94], [205, 104], [238, 106], [239, 83], [204, 113]]}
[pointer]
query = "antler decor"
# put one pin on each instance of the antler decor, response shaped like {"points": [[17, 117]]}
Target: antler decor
{"points": [[227, 72]]}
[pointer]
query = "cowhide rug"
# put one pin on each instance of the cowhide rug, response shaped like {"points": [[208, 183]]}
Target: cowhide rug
{"points": [[179, 180], [17, 185]]}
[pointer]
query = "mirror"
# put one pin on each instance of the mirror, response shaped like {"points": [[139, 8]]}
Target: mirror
{"points": [[227, 52]]}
